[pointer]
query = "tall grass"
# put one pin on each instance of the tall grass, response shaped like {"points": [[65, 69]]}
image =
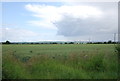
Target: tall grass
{"points": [[59, 62], [0, 61], [118, 52], [13, 68]]}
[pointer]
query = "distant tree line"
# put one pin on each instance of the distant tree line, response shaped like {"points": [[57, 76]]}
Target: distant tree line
{"points": [[108, 42]]}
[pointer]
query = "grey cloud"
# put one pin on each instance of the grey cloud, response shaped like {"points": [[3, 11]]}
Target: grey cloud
{"points": [[70, 26]]}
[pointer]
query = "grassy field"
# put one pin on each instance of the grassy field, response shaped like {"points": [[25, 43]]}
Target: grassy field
{"points": [[80, 61]]}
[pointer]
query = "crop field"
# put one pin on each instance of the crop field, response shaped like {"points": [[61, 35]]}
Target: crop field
{"points": [[59, 61]]}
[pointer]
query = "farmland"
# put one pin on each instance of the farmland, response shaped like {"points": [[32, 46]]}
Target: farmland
{"points": [[59, 61]]}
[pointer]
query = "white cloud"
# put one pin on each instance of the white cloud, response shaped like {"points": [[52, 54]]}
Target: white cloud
{"points": [[49, 14], [42, 24], [96, 19], [14, 34]]}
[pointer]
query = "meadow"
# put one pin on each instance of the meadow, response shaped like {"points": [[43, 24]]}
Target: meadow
{"points": [[59, 61]]}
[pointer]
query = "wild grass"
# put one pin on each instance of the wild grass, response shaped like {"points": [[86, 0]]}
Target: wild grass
{"points": [[0, 61], [84, 61], [118, 52]]}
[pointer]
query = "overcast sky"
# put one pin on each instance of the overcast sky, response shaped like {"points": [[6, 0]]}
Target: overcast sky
{"points": [[28, 21]]}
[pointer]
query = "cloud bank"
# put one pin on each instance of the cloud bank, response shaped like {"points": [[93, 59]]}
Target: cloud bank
{"points": [[76, 20], [61, 21]]}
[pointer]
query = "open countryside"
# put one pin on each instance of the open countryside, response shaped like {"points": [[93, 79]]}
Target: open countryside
{"points": [[59, 40], [60, 61]]}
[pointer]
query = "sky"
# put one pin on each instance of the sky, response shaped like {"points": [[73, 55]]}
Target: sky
{"points": [[59, 21]]}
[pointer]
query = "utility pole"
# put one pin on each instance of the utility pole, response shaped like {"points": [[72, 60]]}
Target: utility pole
{"points": [[89, 39], [114, 37], [118, 40]]}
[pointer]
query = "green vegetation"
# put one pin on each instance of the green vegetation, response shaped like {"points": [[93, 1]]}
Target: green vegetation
{"points": [[118, 52], [0, 62], [55, 61]]}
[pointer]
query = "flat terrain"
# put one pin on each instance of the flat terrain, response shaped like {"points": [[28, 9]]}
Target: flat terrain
{"points": [[59, 61]]}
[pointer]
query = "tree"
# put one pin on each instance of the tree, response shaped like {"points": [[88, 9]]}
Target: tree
{"points": [[7, 42], [109, 42], [71, 42], [65, 42], [105, 42]]}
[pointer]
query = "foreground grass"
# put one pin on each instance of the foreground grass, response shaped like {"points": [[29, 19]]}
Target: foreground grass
{"points": [[82, 61]]}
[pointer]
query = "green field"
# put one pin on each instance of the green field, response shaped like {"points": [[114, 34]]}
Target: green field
{"points": [[59, 61]]}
